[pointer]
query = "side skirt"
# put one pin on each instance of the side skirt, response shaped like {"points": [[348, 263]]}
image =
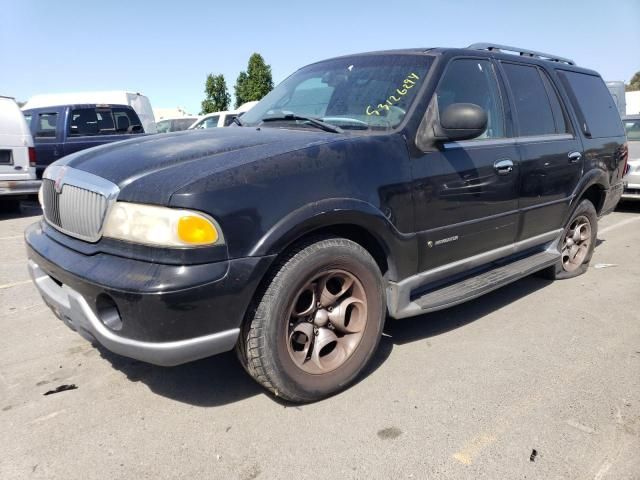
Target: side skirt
{"points": [[471, 277]]}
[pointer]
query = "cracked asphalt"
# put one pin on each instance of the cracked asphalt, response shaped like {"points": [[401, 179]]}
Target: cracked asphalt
{"points": [[469, 392]]}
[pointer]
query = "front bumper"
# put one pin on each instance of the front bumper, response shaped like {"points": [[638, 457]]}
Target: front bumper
{"points": [[164, 314], [19, 187]]}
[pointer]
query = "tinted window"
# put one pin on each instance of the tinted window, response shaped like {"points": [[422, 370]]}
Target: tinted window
{"points": [[46, 125], [473, 81], [558, 111], [594, 104], [229, 120], [84, 121], [126, 120], [533, 109], [103, 121]]}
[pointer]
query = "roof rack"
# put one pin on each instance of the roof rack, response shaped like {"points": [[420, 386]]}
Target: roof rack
{"points": [[492, 47]]}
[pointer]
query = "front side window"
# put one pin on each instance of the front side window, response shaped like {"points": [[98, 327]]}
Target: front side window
{"points": [[46, 127], [474, 81], [163, 126], [228, 120], [369, 92], [532, 105], [182, 124], [211, 122]]}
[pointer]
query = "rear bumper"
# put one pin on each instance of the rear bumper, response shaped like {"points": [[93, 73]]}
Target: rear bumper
{"points": [[612, 197], [19, 187], [161, 314]]}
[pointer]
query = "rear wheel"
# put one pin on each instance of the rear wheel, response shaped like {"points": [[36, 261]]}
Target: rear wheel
{"points": [[318, 321], [577, 244]]}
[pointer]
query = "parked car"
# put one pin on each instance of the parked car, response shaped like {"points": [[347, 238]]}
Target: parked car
{"points": [[64, 129], [167, 125], [632, 178], [17, 155], [401, 182], [137, 101], [214, 120]]}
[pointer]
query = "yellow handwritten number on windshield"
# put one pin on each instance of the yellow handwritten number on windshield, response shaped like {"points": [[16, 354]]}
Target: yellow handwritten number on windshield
{"points": [[407, 84]]}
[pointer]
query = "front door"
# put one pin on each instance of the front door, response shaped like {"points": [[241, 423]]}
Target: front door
{"points": [[466, 193]]}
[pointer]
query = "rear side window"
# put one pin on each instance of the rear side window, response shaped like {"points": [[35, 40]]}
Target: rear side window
{"points": [[126, 120], [102, 121], [594, 104], [531, 99], [46, 127], [473, 81]]}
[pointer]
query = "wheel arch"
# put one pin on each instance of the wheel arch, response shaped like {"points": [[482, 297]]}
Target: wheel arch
{"points": [[355, 220]]}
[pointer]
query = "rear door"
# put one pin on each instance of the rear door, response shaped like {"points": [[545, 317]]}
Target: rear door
{"points": [[550, 152], [466, 192]]}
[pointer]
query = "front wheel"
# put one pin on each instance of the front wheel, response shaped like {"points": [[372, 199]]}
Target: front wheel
{"points": [[577, 243], [317, 322]]}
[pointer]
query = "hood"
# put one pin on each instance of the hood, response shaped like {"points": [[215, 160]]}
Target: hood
{"points": [[150, 168]]}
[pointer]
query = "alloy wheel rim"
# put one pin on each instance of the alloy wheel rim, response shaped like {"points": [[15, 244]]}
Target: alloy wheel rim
{"points": [[326, 321], [576, 243]]}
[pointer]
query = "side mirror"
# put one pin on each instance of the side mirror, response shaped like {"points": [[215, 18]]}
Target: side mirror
{"points": [[461, 121], [135, 129]]}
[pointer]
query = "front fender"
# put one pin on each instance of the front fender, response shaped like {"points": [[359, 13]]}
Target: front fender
{"points": [[400, 248]]}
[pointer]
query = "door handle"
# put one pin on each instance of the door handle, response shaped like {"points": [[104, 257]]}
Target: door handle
{"points": [[574, 157], [503, 167]]}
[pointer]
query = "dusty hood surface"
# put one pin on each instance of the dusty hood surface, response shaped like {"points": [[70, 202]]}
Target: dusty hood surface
{"points": [[151, 168]]}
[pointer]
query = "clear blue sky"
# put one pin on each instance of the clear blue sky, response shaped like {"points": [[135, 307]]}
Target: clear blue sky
{"points": [[165, 49]]}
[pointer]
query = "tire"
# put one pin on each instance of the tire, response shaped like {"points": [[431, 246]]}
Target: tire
{"points": [[277, 345], [564, 268]]}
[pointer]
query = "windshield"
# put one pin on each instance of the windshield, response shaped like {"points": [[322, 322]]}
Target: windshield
{"points": [[633, 129], [370, 92]]}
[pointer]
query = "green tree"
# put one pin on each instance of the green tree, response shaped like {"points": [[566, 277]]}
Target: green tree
{"points": [[634, 84], [255, 83], [217, 96]]}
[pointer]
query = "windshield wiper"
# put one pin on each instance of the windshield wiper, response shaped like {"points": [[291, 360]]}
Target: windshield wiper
{"points": [[327, 127]]}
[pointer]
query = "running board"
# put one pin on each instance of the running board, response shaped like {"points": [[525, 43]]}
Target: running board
{"points": [[477, 285]]}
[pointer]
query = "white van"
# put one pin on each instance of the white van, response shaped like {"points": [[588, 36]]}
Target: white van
{"points": [[137, 101], [17, 155]]}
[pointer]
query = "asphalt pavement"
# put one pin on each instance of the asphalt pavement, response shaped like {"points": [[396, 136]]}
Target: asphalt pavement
{"points": [[537, 380]]}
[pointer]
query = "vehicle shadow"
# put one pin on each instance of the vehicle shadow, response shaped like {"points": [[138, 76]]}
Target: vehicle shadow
{"points": [[221, 380], [628, 206], [22, 209]]}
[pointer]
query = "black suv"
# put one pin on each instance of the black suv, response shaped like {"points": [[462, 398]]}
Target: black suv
{"points": [[387, 183]]}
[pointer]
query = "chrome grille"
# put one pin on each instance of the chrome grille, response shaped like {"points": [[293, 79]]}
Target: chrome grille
{"points": [[79, 204]]}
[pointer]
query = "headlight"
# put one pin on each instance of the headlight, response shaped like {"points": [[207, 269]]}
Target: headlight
{"points": [[167, 227]]}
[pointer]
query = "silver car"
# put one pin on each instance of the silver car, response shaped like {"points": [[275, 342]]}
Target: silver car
{"points": [[632, 178]]}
